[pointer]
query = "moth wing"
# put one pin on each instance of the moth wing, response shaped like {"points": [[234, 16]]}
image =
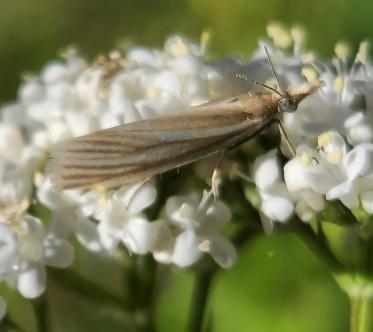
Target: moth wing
{"points": [[137, 151]]}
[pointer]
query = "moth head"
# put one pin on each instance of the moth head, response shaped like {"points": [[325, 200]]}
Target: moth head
{"points": [[291, 99], [287, 104]]}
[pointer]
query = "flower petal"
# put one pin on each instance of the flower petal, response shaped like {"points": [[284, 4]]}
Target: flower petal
{"points": [[277, 208], [303, 211], [58, 253], [313, 199], [8, 248], [31, 281], [277, 204], [335, 142], [267, 224], [217, 213], [137, 197], [138, 236], [294, 175], [367, 201], [163, 239], [358, 161], [266, 170], [87, 234], [180, 209], [186, 251], [48, 195], [346, 193], [222, 251]]}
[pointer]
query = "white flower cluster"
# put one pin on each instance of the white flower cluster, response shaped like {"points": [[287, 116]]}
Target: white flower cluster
{"points": [[71, 98], [332, 130]]}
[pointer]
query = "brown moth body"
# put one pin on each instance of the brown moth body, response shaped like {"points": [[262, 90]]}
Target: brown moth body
{"points": [[137, 151]]}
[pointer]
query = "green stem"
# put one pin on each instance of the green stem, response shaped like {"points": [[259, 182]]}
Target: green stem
{"points": [[317, 246], [361, 311], [205, 273], [202, 285], [354, 313], [41, 315], [146, 273], [139, 279], [7, 325], [86, 288], [359, 289]]}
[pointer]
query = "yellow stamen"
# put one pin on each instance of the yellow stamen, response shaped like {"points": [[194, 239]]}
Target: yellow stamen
{"points": [[205, 39], [310, 74], [342, 50], [12, 210], [281, 37], [324, 139], [114, 55], [335, 157], [104, 203], [100, 189], [152, 92], [363, 53], [178, 48], [38, 179], [298, 34], [339, 83], [305, 159]]}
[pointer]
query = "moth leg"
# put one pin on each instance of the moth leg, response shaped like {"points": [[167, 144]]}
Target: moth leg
{"points": [[285, 139], [215, 175]]}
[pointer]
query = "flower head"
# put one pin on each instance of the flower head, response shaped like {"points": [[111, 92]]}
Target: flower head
{"points": [[196, 225]]}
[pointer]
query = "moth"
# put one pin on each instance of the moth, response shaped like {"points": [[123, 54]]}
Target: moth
{"points": [[135, 152]]}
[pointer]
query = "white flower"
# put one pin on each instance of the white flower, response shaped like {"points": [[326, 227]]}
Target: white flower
{"points": [[197, 230], [120, 218], [141, 236], [70, 98], [340, 105], [26, 248], [65, 216], [101, 220], [278, 200], [8, 248], [334, 170], [36, 249], [10, 136]]}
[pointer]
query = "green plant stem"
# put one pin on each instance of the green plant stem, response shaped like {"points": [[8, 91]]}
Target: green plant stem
{"points": [[139, 279], [86, 288], [7, 325], [359, 289], [41, 314], [205, 273], [361, 312], [202, 284], [317, 246], [146, 269]]}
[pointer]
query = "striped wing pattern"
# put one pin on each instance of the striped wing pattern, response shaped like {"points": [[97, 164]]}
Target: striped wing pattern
{"points": [[137, 151]]}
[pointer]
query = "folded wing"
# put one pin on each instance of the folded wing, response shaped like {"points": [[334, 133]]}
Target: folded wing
{"points": [[137, 151]]}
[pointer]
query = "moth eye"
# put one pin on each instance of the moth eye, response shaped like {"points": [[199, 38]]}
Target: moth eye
{"points": [[287, 105]]}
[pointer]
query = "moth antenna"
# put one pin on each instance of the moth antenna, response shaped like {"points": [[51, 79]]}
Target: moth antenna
{"points": [[244, 77], [273, 69]]}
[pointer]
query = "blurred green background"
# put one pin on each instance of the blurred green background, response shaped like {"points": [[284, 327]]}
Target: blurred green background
{"points": [[277, 285], [32, 31]]}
